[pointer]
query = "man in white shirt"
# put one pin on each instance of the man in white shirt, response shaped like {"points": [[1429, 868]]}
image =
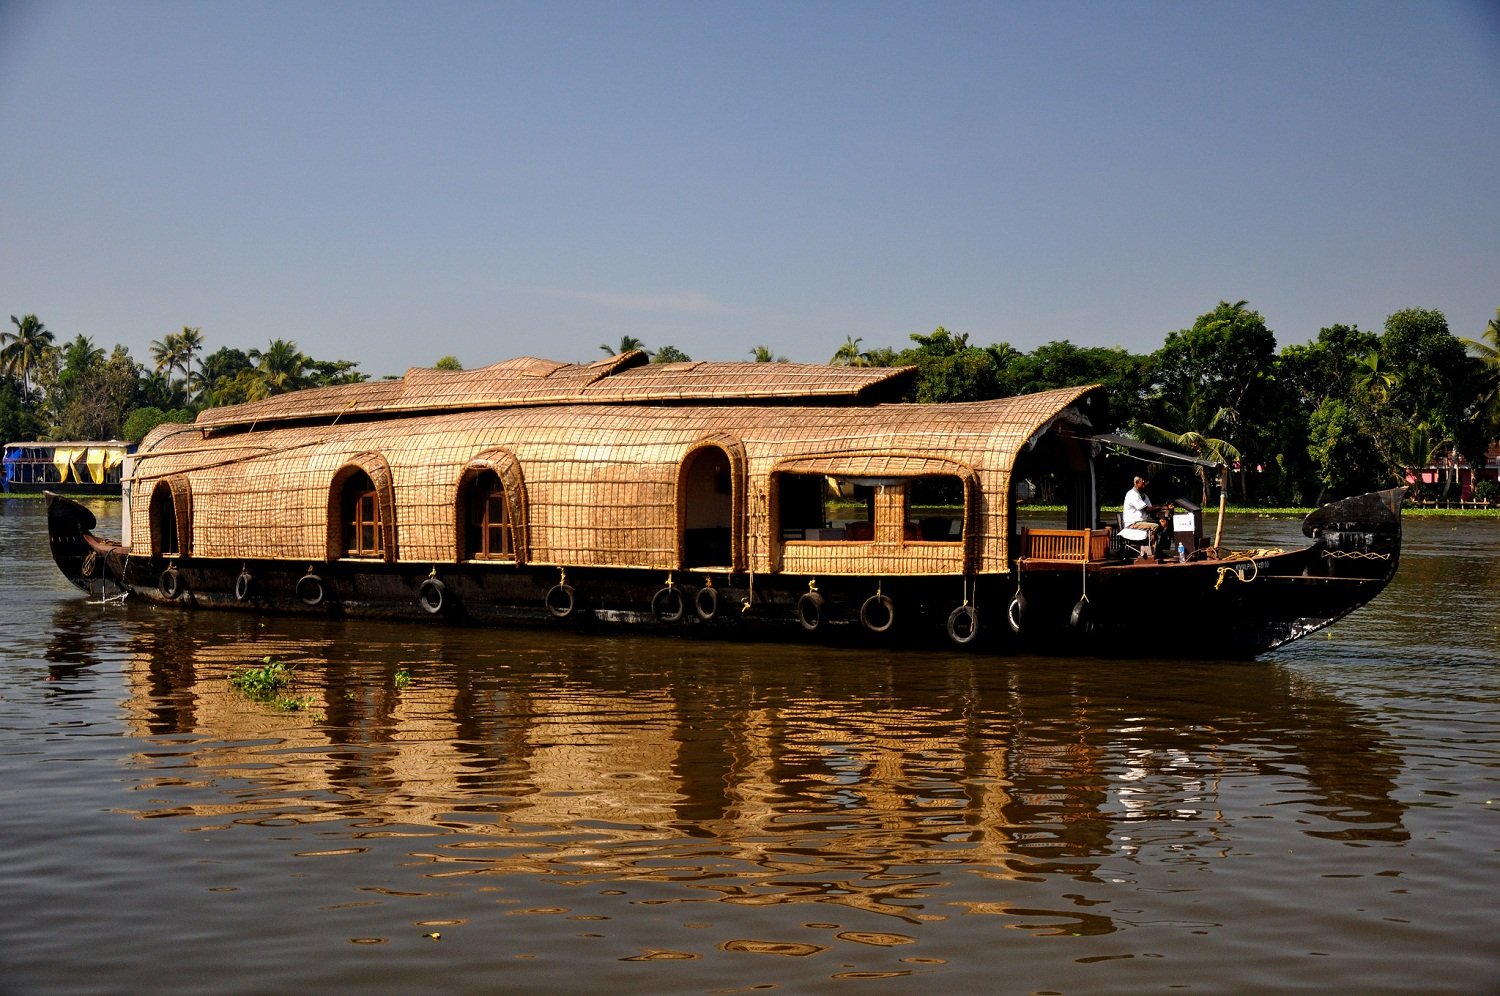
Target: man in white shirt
{"points": [[1138, 507], [1139, 513]]}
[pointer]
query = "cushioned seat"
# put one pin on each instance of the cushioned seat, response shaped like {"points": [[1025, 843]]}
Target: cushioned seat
{"points": [[1136, 541]]}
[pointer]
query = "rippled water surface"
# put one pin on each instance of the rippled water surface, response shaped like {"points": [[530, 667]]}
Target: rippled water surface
{"points": [[482, 811]]}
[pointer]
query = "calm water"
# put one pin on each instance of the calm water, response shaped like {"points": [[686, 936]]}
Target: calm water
{"points": [[543, 813]]}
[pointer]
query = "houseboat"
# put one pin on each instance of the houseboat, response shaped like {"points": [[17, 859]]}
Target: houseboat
{"points": [[736, 499], [89, 468]]}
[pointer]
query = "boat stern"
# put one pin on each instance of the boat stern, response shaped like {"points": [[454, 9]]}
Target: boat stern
{"points": [[90, 563]]}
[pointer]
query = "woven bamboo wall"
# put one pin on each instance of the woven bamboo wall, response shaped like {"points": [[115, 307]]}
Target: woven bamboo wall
{"points": [[872, 559], [601, 480]]}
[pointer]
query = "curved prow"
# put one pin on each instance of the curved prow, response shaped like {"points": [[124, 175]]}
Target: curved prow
{"points": [[83, 558], [1361, 536]]}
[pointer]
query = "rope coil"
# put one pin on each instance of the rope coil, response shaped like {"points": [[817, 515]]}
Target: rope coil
{"points": [[1241, 556]]}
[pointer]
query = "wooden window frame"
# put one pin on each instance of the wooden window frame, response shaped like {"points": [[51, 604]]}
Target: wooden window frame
{"points": [[487, 495], [509, 487], [362, 494], [360, 513]]}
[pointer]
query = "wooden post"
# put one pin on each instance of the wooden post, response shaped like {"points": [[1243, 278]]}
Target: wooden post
{"points": [[1223, 503]]}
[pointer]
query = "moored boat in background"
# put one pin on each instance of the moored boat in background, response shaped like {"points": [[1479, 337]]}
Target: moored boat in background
{"points": [[72, 467]]}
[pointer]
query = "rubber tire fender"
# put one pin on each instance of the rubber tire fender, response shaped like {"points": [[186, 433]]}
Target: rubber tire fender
{"points": [[170, 583], [1082, 616], [310, 589], [430, 595], [810, 611], [871, 611], [1015, 613], [560, 600], [243, 586], [668, 605], [706, 603], [965, 635]]}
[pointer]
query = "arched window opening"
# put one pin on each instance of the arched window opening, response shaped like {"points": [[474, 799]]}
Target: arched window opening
{"points": [[362, 510], [363, 536], [164, 539], [706, 501], [489, 532], [489, 509]]}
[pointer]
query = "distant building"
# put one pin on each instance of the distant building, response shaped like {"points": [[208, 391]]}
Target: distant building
{"points": [[1460, 472]]}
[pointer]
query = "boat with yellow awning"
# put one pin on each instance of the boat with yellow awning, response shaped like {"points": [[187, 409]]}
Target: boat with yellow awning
{"points": [[87, 467]]}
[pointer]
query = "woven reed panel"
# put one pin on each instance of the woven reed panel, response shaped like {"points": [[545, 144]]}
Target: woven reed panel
{"points": [[717, 381], [323, 402], [521, 381], [818, 559], [600, 480], [629, 377]]}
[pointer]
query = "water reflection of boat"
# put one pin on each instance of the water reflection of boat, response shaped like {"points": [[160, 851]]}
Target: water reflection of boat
{"points": [[719, 498], [763, 785]]}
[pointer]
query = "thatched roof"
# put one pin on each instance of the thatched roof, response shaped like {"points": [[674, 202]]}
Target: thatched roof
{"points": [[525, 381]]}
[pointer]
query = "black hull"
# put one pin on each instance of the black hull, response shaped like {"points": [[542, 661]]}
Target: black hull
{"points": [[1202, 609], [600, 599], [1209, 609]]}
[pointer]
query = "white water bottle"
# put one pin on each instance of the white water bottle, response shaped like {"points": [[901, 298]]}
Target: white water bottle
{"points": [[1181, 554]]}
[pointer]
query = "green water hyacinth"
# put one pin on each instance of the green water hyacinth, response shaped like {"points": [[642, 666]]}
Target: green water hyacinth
{"points": [[267, 682]]}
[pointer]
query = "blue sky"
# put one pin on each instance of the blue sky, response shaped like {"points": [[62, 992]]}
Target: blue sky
{"points": [[394, 183]]}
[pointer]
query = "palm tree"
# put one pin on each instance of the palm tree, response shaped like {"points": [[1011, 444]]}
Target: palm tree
{"points": [[1375, 381], [167, 353], [23, 351], [1412, 449], [222, 364], [175, 351], [1204, 447], [763, 354], [848, 355], [281, 366], [1487, 351], [190, 344], [627, 343], [201, 383], [81, 354], [156, 391]]}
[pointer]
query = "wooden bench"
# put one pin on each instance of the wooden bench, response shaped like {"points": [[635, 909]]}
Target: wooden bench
{"points": [[1075, 545]]}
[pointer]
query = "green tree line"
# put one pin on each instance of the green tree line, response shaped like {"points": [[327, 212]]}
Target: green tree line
{"points": [[1351, 411], [77, 391]]}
